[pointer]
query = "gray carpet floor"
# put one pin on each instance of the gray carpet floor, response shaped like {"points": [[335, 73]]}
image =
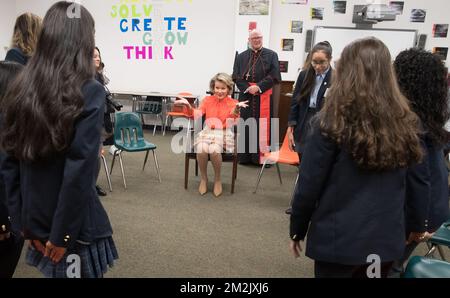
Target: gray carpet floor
{"points": [[163, 230]]}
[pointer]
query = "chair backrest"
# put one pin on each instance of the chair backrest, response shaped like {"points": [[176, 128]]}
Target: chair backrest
{"points": [[422, 267], [150, 107], [285, 145], [128, 129], [442, 235]]}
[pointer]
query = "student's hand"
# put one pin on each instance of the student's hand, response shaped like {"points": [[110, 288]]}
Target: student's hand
{"points": [[36, 244], [295, 248], [418, 237], [4, 237], [291, 138], [181, 101], [54, 253]]}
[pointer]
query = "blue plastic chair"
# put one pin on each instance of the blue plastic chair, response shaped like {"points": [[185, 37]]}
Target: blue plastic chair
{"points": [[440, 238], [423, 267], [129, 137], [150, 108]]}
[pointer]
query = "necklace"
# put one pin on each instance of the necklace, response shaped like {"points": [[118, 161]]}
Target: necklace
{"points": [[251, 66]]}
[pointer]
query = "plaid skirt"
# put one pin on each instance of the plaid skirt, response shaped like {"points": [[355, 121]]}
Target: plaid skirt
{"points": [[95, 258], [222, 137]]}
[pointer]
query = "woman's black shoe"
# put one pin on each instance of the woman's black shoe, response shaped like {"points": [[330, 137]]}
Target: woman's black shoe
{"points": [[100, 191]]}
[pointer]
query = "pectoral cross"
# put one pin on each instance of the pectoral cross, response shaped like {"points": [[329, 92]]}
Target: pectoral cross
{"points": [[247, 76]]}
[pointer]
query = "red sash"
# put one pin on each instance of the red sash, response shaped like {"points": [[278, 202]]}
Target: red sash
{"points": [[264, 123]]}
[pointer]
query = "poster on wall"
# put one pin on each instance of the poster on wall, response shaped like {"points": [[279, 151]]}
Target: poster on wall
{"points": [[296, 26], [294, 1], [441, 52], [284, 66], [397, 6], [340, 6], [440, 30], [317, 13], [254, 7], [287, 44], [151, 31], [418, 15], [252, 26]]}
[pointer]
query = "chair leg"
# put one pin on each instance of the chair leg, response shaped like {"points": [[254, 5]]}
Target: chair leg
{"points": [[259, 176], [441, 252], [196, 168], [145, 160], [186, 171], [154, 127], [157, 166], [163, 128], [165, 125], [233, 175], [293, 191], [112, 163], [279, 172], [121, 168], [107, 172]]}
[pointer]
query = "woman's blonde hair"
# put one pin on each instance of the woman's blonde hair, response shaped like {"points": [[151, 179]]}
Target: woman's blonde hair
{"points": [[223, 78], [365, 112], [26, 33]]}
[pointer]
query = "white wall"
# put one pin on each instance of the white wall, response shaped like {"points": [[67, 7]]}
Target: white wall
{"points": [[214, 27], [7, 19], [437, 13]]}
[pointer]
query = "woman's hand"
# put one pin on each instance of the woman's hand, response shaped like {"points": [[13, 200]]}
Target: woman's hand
{"points": [[295, 248], [4, 237], [242, 104], [182, 101], [239, 105], [291, 138]]}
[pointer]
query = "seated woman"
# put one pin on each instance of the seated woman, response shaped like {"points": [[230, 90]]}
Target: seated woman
{"points": [[217, 135]]}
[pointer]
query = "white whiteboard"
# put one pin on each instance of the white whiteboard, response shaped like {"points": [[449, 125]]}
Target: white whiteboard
{"points": [[339, 37]]}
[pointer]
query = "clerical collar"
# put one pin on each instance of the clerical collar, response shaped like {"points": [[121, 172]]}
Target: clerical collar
{"points": [[256, 51]]}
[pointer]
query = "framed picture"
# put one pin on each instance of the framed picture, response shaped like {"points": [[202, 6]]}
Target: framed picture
{"points": [[287, 44], [440, 30], [340, 6], [441, 52], [397, 6], [418, 15], [317, 13], [254, 7], [284, 66], [296, 26]]}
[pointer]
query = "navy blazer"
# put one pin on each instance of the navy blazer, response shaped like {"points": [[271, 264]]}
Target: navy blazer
{"points": [[431, 180], [298, 110], [55, 199], [16, 55], [351, 213]]}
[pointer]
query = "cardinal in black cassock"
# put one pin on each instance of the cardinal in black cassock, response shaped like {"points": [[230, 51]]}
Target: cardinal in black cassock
{"points": [[255, 72]]}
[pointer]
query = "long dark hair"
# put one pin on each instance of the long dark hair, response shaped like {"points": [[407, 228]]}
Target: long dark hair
{"points": [[310, 76], [44, 103], [366, 114], [423, 80], [8, 72]]}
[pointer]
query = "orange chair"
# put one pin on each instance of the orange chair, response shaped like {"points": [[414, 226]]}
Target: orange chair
{"points": [[285, 155], [180, 111]]}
